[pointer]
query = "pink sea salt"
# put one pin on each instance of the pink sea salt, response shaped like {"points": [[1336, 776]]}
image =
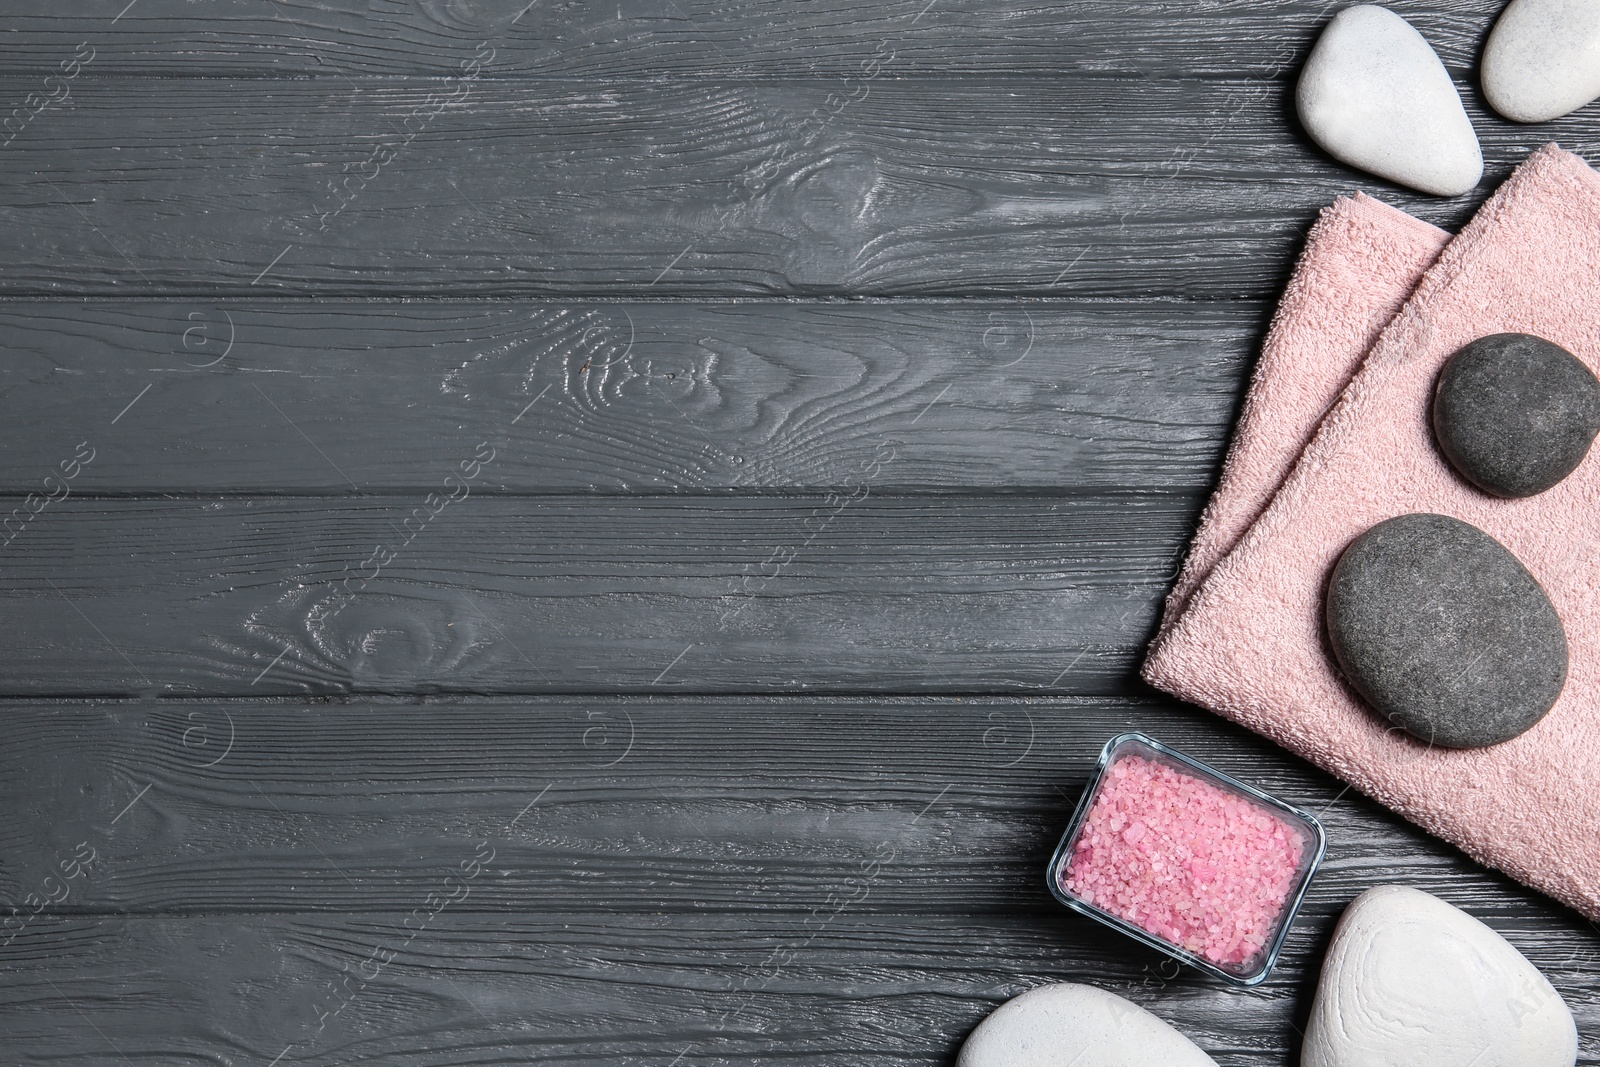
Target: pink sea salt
{"points": [[1184, 859]]}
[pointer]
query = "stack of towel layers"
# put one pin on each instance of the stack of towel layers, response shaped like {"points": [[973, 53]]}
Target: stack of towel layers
{"points": [[1334, 438]]}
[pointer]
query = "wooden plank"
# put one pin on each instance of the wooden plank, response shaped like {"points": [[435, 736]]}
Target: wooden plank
{"points": [[605, 988], [834, 879], [239, 396], [599, 800], [849, 592], [641, 805], [700, 38], [591, 989], [1075, 186]]}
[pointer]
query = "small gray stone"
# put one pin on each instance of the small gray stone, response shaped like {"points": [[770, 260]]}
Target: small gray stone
{"points": [[1445, 632], [1374, 95], [1515, 413], [1543, 59]]}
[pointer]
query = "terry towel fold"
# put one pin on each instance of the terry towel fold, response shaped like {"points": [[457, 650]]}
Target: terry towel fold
{"points": [[1250, 643], [1362, 259]]}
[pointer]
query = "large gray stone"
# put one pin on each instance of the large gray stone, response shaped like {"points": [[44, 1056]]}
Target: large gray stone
{"points": [[1374, 95], [1411, 981], [1543, 59], [1445, 632], [1515, 413], [1057, 1025]]}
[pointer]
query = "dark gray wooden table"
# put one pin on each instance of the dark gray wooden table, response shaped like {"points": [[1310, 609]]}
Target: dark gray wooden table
{"points": [[613, 533]]}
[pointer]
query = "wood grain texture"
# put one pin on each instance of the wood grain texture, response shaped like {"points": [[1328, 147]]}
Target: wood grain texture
{"points": [[764, 396], [664, 804], [827, 394], [751, 880], [1072, 186], [702, 38], [651, 988], [850, 592]]}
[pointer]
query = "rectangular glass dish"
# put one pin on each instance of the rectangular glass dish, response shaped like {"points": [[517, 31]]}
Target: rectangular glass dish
{"points": [[1186, 859]]}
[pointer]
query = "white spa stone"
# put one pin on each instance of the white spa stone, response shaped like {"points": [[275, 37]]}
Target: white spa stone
{"points": [[1411, 981], [1543, 59], [1374, 95], [1080, 1025]]}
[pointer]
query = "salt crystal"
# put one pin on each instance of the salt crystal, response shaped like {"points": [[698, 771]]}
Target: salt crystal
{"points": [[1216, 870]]}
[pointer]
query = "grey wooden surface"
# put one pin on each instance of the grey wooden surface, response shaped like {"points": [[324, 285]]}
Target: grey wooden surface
{"points": [[629, 556]]}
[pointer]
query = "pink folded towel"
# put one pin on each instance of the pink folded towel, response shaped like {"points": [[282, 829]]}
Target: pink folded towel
{"points": [[1250, 643], [1361, 260]]}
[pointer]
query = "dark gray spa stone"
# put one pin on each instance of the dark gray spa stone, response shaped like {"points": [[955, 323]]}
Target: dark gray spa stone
{"points": [[1515, 413], [1445, 632]]}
